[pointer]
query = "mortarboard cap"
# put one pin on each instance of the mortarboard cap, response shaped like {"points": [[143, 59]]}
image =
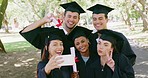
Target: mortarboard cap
{"points": [[79, 34], [72, 6], [98, 8], [53, 34], [112, 37], [79, 31]]}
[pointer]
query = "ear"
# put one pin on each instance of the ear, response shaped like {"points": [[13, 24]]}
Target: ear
{"points": [[88, 41], [45, 47], [112, 49]]}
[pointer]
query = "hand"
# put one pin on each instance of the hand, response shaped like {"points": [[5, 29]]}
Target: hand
{"points": [[52, 64], [110, 62], [48, 17], [75, 75]]}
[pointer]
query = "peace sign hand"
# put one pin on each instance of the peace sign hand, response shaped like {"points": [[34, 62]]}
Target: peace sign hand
{"points": [[110, 62]]}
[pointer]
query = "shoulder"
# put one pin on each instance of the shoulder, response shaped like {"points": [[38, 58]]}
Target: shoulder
{"points": [[41, 64], [121, 57], [123, 61], [82, 28]]}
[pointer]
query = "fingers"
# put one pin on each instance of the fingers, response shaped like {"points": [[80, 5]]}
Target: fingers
{"points": [[49, 15], [107, 55], [54, 62], [111, 53], [111, 63]]}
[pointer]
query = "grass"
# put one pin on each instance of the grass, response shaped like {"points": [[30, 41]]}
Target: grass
{"points": [[22, 46]]}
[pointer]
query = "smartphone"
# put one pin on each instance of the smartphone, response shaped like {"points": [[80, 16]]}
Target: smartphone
{"points": [[69, 60]]}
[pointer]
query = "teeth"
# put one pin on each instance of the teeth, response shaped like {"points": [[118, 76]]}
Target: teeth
{"points": [[82, 48], [70, 22], [59, 52], [97, 25]]}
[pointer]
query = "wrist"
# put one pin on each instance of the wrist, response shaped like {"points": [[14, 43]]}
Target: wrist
{"points": [[113, 68], [47, 70]]}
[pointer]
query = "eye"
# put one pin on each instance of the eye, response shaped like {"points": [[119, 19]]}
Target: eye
{"points": [[94, 19], [69, 16], [77, 43], [106, 44], [75, 17], [54, 44], [82, 41], [100, 18], [61, 44], [99, 42]]}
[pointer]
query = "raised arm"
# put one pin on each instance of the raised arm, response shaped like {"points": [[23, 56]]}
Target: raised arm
{"points": [[38, 23]]}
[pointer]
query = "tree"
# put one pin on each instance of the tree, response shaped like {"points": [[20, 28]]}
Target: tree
{"points": [[2, 49], [2, 12], [142, 12]]}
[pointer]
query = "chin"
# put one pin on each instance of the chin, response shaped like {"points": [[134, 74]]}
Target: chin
{"points": [[100, 54]]}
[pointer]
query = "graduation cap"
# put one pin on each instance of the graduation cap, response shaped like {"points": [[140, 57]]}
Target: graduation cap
{"points": [[113, 37], [79, 31], [98, 8], [54, 35], [46, 35], [72, 6], [79, 34]]}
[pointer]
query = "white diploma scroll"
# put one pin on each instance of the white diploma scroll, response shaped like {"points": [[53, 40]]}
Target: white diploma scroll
{"points": [[72, 50]]}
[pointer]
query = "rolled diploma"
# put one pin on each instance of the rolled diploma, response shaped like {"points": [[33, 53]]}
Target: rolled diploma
{"points": [[72, 50]]}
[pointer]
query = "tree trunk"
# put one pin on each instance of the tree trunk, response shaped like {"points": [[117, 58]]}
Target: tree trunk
{"points": [[128, 20], [6, 26], [144, 18], [123, 18], [2, 49], [145, 24], [2, 10]]}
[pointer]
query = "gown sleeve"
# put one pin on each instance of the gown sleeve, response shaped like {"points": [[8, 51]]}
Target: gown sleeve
{"points": [[41, 70], [32, 37], [123, 68], [127, 50], [36, 37]]}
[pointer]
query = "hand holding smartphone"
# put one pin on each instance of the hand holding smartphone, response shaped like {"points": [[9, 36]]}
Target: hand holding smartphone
{"points": [[69, 60]]}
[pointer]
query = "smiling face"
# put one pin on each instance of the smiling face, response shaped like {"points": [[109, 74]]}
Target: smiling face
{"points": [[82, 45], [104, 47], [99, 21], [71, 19], [55, 47]]}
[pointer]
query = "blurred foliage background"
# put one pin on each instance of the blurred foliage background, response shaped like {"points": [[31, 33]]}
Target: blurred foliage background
{"points": [[17, 14]]}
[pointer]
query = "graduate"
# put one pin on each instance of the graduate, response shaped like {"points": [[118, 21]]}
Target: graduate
{"points": [[100, 20], [83, 53], [32, 33], [111, 63], [49, 67]]}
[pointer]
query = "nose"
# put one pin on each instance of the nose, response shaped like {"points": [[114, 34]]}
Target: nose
{"points": [[97, 21], [71, 19]]}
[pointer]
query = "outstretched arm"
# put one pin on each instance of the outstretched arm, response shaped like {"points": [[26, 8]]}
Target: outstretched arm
{"points": [[38, 23]]}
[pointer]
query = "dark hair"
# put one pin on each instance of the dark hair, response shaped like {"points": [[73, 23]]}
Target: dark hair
{"points": [[71, 11], [106, 16], [115, 47], [45, 54]]}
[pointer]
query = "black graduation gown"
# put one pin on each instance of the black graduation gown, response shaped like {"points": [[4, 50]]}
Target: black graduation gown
{"points": [[36, 36], [84, 69], [63, 72], [125, 49], [123, 69]]}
